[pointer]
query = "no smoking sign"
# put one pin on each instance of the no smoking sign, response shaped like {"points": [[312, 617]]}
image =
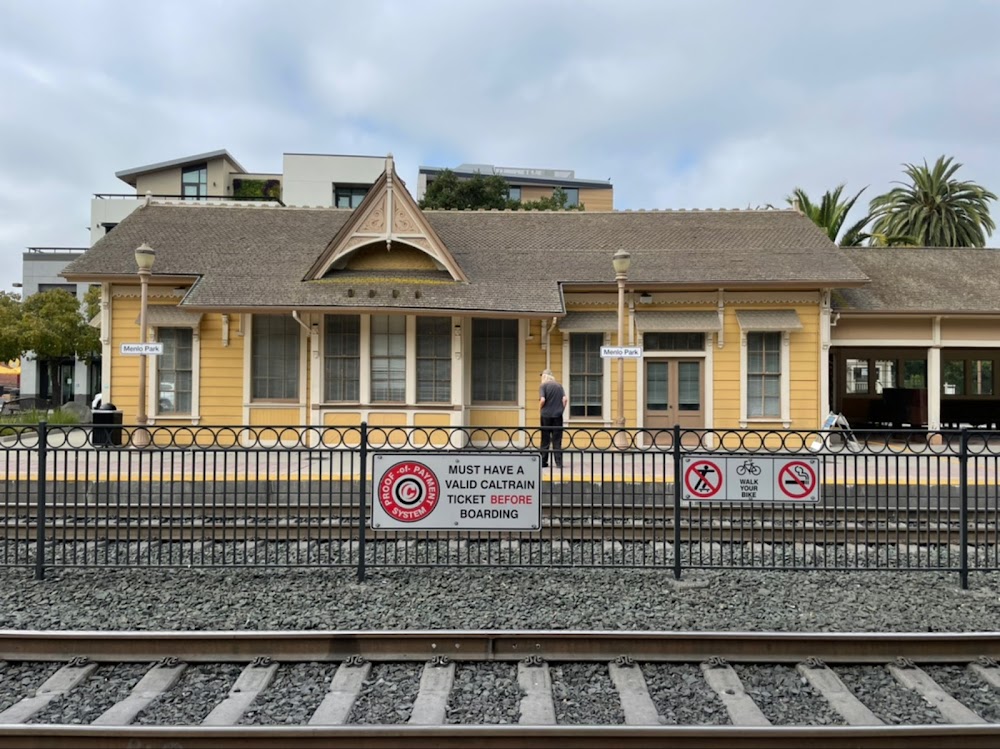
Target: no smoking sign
{"points": [[797, 480]]}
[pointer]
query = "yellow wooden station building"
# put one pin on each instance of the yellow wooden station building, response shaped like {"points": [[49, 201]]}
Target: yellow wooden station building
{"points": [[274, 315]]}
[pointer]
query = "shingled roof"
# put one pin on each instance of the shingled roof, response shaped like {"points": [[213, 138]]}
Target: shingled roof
{"points": [[516, 262], [924, 280]]}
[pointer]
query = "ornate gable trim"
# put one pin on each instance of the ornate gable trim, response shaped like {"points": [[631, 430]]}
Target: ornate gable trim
{"points": [[387, 214]]}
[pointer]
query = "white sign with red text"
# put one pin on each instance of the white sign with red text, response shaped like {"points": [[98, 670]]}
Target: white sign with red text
{"points": [[456, 491]]}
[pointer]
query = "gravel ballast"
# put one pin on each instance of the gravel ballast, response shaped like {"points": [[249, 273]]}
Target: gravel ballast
{"points": [[484, 598], [488, 598]]}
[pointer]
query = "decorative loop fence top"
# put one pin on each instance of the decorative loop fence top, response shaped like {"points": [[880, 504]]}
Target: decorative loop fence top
{"points": [[673, 499]]}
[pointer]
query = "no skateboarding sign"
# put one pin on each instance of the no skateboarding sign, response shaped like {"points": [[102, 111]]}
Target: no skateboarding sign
{"points": [[749, 478], [703, 479]]}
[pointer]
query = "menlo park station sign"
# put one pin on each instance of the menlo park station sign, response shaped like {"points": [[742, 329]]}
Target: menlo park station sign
{"points": [[474, 491]]}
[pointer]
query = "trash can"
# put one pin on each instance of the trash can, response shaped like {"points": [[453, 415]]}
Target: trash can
{"points": [[107, 430]]}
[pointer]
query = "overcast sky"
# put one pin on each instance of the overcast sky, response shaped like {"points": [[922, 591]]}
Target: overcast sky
{"points": [[682, 104]]}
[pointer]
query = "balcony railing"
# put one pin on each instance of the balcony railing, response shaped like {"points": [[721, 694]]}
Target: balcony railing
{"points": [[166, 196], [54, 250]]}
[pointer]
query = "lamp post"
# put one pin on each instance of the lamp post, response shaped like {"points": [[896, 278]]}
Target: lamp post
{"points": [[621, 262], [144, 257]]}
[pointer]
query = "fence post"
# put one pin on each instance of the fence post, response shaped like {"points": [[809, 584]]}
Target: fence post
{"points": [[677, 501], [963, 532], [362, 501], [43, 439]]}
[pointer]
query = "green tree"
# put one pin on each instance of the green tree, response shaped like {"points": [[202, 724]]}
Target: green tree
{"points": [[448, 192], [831, 213], [53, 328], [10, 326], [934, 209]]}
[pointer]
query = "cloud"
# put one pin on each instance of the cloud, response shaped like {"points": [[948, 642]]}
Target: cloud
{"points": [[692, 103]]}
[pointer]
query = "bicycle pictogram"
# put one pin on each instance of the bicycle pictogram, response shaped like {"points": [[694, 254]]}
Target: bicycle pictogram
{"points": [[748, 466]]}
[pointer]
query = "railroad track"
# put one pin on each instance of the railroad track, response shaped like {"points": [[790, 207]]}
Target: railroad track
{"points": [[501, 689], [622, 522]]}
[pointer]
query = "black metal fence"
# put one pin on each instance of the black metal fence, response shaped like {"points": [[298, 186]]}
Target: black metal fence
{"points": [[672, 499]]}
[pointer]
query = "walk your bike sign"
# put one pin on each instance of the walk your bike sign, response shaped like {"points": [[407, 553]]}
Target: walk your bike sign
{"points": [[749, 478]]}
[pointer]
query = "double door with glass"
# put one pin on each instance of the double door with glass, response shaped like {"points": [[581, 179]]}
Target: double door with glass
{"points": [[674, 393]]}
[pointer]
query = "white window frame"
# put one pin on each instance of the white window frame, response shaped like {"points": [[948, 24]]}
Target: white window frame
{"points": [[320, 378], [785, 383], [409, 356], [519, 381], [364, 367], [152, 379], [412, 343], [305, 347], [568, 374], [155, 380]]}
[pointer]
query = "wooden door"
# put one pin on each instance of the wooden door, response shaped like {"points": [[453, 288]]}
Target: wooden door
{"points": [[675, 394]]}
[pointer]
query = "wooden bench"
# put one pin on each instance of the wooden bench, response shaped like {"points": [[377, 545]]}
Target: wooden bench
{"points": [[20, 405]]}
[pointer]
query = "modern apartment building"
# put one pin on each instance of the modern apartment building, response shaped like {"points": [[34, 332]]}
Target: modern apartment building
{"points": [[319, 180], [306, 179], [532, 184], [41, 268]]}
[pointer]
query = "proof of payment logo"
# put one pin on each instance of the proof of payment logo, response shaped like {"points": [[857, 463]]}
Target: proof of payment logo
{"points": [[409, 492]]}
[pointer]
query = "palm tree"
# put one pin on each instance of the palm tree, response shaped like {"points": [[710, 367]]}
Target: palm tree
{"points": [[830, 214], [934, 209]]}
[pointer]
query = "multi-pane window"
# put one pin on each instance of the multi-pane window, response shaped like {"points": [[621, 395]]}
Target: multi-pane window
{"points": [[953, 377], [173, 371], [967, 374], [494, 361], [194, 182], [763, 374], [433, 360], [388, 358], [981, 377], [342, 358], [885, 374], [586, 374], [349, 196], [673, 341], [275, 358], [915, 374], [689, 386], [69, 288], [657, 385], [857, 376]]}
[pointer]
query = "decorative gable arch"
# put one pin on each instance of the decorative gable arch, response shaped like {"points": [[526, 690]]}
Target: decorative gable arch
{"points": [[380, 256], [388, 218]]}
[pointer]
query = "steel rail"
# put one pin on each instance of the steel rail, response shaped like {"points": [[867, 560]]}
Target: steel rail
{"points": [[226, 534], [497, 645], [500, 737], [791, 529], [510, 645]]}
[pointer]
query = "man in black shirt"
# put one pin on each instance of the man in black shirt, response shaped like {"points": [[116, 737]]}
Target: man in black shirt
{"points": [[552, 402]]}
